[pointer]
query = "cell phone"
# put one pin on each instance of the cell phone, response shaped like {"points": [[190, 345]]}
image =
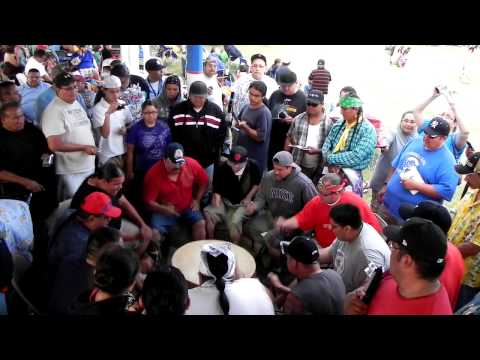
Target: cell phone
{"points": [[469, 145], [373, 286]]}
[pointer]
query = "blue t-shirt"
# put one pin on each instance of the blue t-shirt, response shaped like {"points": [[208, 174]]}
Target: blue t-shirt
{"points": [[29, 100], [435, 167], [150, 143], [449, 143]]}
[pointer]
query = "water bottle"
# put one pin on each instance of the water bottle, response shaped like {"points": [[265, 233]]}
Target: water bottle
{"points": [[141, 63]]}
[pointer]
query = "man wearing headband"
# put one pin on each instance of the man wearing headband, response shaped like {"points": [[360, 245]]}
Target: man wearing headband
{"points": [[315, 214], [423, 170], [351, 142], [220, 293], [168, 191], [465, 230]]}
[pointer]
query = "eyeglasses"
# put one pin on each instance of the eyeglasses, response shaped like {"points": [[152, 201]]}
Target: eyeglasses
{"points": [[409, 121], [312, 104], [150, 112]]}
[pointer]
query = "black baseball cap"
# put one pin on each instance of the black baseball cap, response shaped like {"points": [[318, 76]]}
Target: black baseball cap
{"points": [[198, 88], [63, 79], [321, 62], [420, 238], [430, 210], [174, 153], [287, 78], [154, 65], [471, 166], [302, 249], [238, 155], [120, 70], [438, 126], [315, 96]]}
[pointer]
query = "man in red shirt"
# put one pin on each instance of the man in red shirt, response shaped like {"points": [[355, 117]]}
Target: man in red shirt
{"points": [[452, 276], [168, 191], [412, 286], [316, 213]]}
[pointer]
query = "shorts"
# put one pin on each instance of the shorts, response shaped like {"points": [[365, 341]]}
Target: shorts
{"points": [[164, 222]]}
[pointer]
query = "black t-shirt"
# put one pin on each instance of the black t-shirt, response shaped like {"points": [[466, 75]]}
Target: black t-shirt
{"points": [[21, 152], [293, 106], [230, 187], [86, 189]]}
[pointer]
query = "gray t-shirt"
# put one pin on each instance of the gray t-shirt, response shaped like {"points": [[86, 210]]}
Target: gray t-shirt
{"points": [[322, 293], [260, 120], [351, 258]]}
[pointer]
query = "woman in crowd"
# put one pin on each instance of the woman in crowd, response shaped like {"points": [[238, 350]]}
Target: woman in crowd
{"points": [[171, 95], [394, 143]]}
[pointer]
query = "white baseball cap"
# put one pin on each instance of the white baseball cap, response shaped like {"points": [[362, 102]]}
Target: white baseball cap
{"points": [[107, 62], [111, 82]]}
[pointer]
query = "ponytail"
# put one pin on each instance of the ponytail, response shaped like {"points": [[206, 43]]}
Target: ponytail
{"points": [[218, 267]]}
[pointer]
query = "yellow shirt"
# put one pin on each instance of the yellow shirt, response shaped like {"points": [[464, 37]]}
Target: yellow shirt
{"points": [[466, 229]]}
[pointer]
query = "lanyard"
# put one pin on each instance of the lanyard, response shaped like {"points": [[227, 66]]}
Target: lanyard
{"points": [[155, 93]]}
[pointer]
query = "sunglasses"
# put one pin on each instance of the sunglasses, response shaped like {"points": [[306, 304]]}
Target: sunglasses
{"points": [[312, 104]]}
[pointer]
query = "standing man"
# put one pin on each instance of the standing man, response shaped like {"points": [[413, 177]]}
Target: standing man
{"points": [[209, 77], [154, 78], [30, 92], [199, 125], [306, 136], [257, 73], [423, 170], [285, 103], [465, 230], [68, 130], [320, 78]]}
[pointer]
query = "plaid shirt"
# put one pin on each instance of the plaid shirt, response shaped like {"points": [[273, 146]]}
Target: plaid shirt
{"points": [[298, 135], [360, 148]]}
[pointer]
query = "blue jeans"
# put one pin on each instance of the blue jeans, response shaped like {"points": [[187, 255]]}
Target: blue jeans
{"points": [[164, 222]]}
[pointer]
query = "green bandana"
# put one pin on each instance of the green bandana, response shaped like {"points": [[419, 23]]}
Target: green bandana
{"points": [[350, 102]]}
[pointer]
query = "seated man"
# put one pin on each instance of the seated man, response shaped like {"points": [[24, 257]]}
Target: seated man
{"points": [[357, 246], [165, 292], [412, 285], [315, 214], [69, 241], [235, 183], [317, 291], [283, 191], [423, 170], [109, 179], [76, 276], [169, 191]]}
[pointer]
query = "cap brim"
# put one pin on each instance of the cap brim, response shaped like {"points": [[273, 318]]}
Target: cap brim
{"points": [[463, 170], [429, 131], [393, 233], [406, 211], [113, 212]]}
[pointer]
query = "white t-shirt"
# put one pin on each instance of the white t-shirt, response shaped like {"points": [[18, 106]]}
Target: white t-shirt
{"points": [[32, 63], [351, 258], [245, 296], [114, 145], [313, 137], [216, 91], [72, 123]]}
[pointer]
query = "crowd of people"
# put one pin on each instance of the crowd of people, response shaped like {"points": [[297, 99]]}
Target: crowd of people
{"points": [[105, 174]]}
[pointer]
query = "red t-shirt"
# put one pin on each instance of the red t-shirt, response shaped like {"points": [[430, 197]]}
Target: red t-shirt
{"points": [[158, 187], [452, 275], [388, 301], [315, 215]]}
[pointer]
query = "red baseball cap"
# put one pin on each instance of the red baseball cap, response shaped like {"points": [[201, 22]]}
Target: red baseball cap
{"points": [[98, 203]]}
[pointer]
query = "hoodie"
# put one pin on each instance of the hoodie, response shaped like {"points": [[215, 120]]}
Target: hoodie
{"points": [[164, 105], [286, 197]]}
